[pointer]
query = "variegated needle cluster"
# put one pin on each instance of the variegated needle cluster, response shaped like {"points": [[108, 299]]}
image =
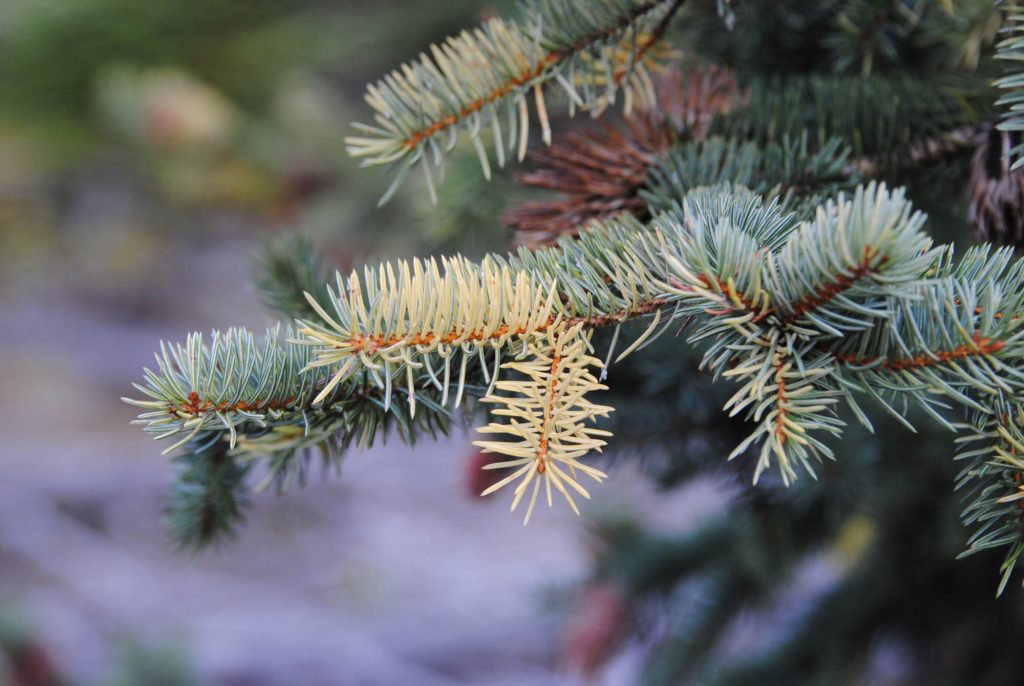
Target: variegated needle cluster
{"points": [[548, 412], [423, 313], [482, 80], [401, 317]]}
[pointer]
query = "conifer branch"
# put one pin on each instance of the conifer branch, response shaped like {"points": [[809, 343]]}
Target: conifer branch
{"points": [[867, 36], [993, 481], [477, 79], [848, 261], [287, 268], [801, 315], [946, 339], [206, 503]]}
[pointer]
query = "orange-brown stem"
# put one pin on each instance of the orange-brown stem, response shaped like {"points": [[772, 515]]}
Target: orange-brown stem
{"points": [[840, 283], [982, 346], [542, 451], [723, 286], [194, 404], [531, 73], [374, 343]]}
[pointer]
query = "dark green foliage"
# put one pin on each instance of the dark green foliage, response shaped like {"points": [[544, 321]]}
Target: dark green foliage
{"points": [[287, 269], [1011, 50], [791, 169], [902, 585], [207, 500], [991, 479], [867, 33], [839, 36], [877, 35], [767, 36], [876, 116]]}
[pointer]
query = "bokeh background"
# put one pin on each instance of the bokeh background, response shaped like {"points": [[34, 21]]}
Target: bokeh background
{"points": [[147, 151]]}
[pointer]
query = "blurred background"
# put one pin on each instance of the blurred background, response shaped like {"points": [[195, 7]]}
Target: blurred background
{"points": [[147, 149]]}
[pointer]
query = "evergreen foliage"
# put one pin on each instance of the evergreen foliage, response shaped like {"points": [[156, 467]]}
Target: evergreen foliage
{"points": [[815, 296], [800, 174], [288, 268], [477, 80], [801, 315], [1011, 49], [878, 116], [207, 501]]}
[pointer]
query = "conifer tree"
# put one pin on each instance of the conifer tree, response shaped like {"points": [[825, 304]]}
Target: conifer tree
{"points": [[746, 194]]}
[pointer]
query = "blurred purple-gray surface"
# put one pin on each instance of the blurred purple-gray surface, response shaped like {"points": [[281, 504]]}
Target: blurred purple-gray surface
{"points": [[388, 574]]}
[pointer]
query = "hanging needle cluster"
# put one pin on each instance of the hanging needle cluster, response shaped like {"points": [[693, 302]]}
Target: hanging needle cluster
{"points": [[482, 80], [993, 447], [547, 410]]}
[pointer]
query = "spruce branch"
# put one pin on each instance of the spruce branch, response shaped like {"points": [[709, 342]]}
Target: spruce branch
{"points": [[773, 293], [993, 480], [851, 254], [957, 336], [476, 79], [787, 399], [232, 382], [287, 268], [257, 398], [409, 332], [801, 315], [868, 35]]}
